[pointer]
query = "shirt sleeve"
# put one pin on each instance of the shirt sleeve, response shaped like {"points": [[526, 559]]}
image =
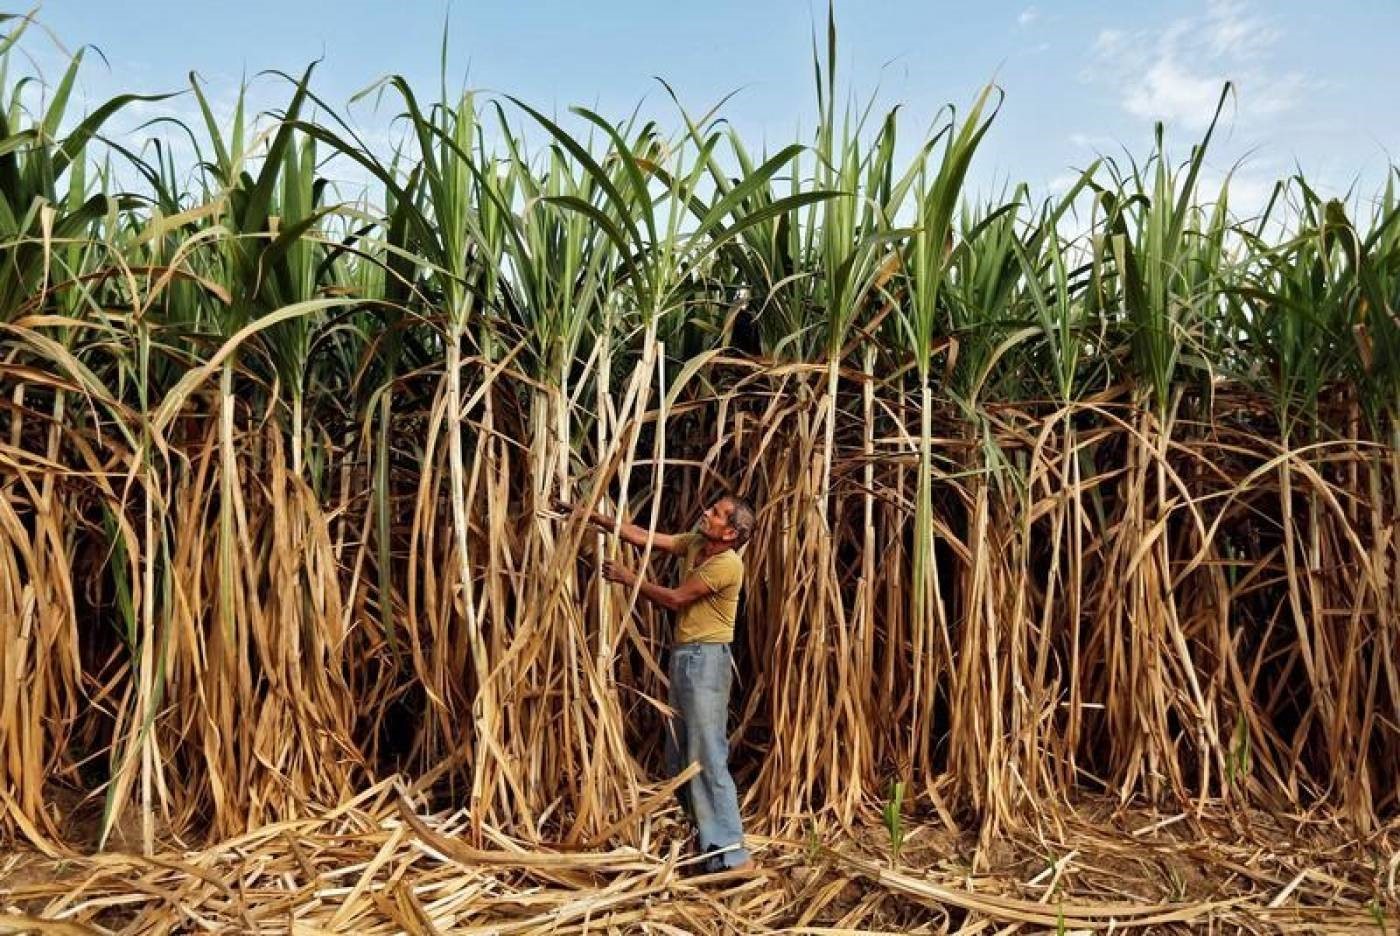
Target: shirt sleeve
{"points": [[682, 542]]}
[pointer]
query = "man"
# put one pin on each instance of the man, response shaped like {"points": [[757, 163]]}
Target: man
{"points": [[701, 669]]}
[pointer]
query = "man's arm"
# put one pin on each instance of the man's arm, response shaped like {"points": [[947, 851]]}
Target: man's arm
{"points": [[676, 599], [630, 532]]}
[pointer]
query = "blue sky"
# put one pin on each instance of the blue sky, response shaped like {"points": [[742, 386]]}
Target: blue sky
{"points": [[1317, 82]]}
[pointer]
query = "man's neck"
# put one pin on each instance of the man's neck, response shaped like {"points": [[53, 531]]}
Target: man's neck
{"points": [[713, 547]]}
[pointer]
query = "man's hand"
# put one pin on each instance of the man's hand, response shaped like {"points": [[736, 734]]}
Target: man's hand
{"points": [[692, 589], [613, 572], [574, 510], [631, 533]]}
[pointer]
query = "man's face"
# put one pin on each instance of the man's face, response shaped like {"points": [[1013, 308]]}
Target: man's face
{"points": [[714, 522]]}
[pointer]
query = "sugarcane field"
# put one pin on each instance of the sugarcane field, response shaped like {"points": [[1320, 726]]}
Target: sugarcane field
{"points": [[557, 516]]}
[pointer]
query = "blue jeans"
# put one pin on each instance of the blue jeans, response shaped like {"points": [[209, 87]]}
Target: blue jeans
{"points": [[700, 677]]}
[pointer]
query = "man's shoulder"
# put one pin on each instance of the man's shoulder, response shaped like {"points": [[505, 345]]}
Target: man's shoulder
{"points": [[727, 562]]}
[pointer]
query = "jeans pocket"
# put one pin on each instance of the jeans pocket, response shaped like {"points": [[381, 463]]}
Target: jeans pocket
{"points": [[717, 669], [688, 666]]}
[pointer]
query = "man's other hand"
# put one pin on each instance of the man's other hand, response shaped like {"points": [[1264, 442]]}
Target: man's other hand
{"points": [[613, 572]]}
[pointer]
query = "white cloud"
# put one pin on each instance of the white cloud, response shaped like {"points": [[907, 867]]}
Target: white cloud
{"points": [[1233, 31], [1029, 15], [1176, 75], [1170, 90], [1091, 141], [1109, 41]]}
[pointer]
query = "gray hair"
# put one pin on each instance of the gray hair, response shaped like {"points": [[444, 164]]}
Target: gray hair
{"points": [[741, 519]]}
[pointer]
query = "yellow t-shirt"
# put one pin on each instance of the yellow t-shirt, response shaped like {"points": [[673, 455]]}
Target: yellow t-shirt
{"points": [[711, 619]]}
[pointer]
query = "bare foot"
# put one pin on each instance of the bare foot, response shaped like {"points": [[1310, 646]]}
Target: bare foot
{"points": [[749, 867]]}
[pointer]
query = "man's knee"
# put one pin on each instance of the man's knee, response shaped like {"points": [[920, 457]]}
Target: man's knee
{"points": [[711, 750]]}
